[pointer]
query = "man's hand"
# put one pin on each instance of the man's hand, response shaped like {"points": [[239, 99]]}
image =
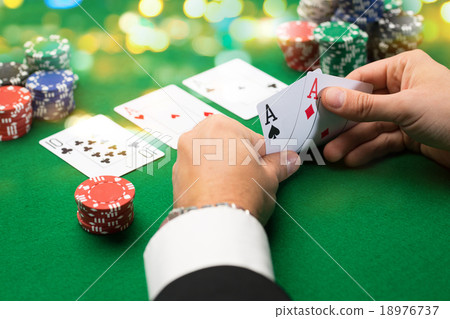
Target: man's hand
{"points": [[410, 109], [233, 172]]}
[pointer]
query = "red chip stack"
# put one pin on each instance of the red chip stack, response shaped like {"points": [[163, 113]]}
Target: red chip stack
{"points": [[16, 112], [105, 204], [296, 39]]}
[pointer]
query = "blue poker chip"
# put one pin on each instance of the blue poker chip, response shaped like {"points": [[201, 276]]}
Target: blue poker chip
{"points": [[51, 81]]}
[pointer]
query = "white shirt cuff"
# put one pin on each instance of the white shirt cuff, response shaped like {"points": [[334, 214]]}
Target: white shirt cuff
{"points": [[203, 238]]}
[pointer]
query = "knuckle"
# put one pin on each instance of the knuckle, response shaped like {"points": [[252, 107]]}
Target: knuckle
{"points": [[184, 140], [363, 105]]}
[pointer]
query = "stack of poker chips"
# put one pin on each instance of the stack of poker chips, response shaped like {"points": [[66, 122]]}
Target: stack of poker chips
{"points": [[105, 204], [52, 94], [343, 47], [296, 40], [396, 33], [48, 53], [363, 13], [316, 11], [12, 73], [16, 113]]}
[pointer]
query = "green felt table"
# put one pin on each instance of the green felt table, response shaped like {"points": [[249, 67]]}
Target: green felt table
{"points": [[386, 224]]}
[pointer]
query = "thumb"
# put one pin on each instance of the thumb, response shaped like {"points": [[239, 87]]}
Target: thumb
{"points": [[363, 107], [283, 163]]}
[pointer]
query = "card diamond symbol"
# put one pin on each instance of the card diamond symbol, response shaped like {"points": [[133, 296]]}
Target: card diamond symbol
{"points": [[207, 114], [174, 116], [309, 112], [325, 133]]}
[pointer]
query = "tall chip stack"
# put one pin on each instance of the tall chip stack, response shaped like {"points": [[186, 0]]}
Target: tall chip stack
{"points": [[296, 40], [316, 11], [363, 13], [343, 47], [396, 33], [15, 112], [52, 83], [52, 94], [105, 204]]}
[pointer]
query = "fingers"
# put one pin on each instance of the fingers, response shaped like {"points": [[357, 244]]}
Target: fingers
{"points": [[361, 133], [378, 147], [363, 107], [283, 164]]}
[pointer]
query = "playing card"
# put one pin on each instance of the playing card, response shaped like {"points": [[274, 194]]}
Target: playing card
{"points": [[236, 86], [166, 113], [327, 125], [278, 115], [99, 146]]}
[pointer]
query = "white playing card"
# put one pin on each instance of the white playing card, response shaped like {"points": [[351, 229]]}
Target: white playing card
{"points": [[99, 146], [166, 113], [236, 86], [327, 125], [278, 115]]}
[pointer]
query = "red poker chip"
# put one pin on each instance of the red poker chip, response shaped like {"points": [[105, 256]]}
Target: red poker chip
{"points": [[15, 130], [105, 193], [100, 230], [13, 99], [106, 221], [24, 118], [104, 213], [296, 31], [7, 137]]}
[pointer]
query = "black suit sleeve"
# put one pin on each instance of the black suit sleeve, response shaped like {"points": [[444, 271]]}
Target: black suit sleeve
{"points": [[223, 283]]}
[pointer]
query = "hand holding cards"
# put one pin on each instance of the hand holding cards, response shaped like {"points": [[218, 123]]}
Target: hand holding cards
{"points": [[295, 117]]}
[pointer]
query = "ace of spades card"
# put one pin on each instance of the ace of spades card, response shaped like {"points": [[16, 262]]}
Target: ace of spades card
{"points": [[99, 146]]}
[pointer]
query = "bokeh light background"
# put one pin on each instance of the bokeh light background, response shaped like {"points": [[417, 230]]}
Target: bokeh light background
{"points": [[175, 39]]}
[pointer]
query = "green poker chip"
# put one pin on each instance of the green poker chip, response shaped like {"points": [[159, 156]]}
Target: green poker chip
{"points": [[48, 53]]}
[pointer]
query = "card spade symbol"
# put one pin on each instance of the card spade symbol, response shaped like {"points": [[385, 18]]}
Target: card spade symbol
{"points": [[109, 154], [274, 85], [139, 117], [66, 150], [106, 160], [113, 147], [91, 142], [96, 154], [206, 114], [124, 153], [174, 116], [86, 148], [274, 132], [209, 90], [78, 143]]}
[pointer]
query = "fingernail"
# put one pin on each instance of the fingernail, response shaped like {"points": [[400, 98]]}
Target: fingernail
{"points": [[293, 163], [335, 97]]}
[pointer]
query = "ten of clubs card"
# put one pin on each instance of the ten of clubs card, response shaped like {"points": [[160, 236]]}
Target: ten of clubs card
{"points": [[99, 146]]}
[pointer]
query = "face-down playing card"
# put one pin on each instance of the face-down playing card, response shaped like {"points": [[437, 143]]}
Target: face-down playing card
{"points": [[166, 113], [236, 86], [99, 146]]}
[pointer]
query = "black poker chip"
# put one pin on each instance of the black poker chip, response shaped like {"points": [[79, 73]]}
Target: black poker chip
{"points": [[12, 73]]}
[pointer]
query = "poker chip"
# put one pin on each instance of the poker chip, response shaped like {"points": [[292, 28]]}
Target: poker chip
{"points": [[296, 40], [342, 47], [12, 73], [316, 11], [105, 204], [52, 94], [47, 53], [15, 112], [363, 13], [396, 33]]}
